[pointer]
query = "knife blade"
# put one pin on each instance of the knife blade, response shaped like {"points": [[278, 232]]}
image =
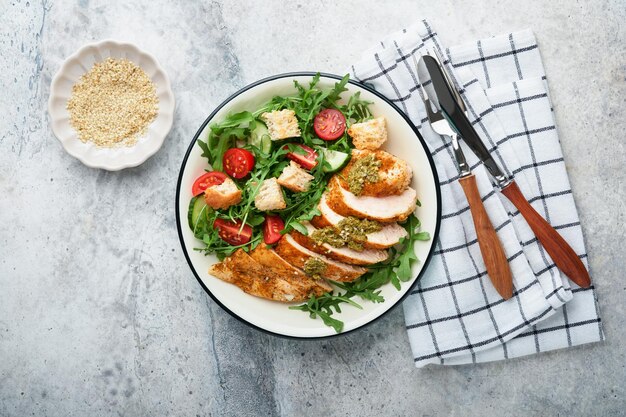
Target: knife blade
{"points": [[559, 250], [460, 121]]}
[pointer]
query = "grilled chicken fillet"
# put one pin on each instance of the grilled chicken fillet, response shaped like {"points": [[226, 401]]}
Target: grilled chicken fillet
{"points": [[260, 280], [343, 254], [394, 174], [389, 235], [297, 255], [295, 276], [394, 208]]}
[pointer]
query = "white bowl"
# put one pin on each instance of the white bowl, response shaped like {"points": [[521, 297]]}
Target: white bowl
{"points": [[274, 317], [117, 158]]}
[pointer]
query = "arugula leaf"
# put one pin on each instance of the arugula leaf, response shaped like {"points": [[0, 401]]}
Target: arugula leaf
{"points": [[233, 120], [206, 153], [407, 255], [299, 227], [329, 321], [404, 268], [367, 287], [322, 307], [255, 219], [340, 87]]}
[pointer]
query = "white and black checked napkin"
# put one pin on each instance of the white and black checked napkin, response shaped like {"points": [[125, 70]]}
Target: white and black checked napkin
{"points": [[454, 315]]}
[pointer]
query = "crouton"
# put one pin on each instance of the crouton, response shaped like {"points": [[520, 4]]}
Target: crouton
{"points": [[295, 178], [369, 135], [281, 124], [270, 196], [223, 195]]}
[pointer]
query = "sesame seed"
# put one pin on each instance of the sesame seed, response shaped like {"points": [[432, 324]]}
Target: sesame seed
{"points": [[113, 104]]}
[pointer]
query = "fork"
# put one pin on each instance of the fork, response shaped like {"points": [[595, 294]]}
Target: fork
{"points": [[490, 246]]}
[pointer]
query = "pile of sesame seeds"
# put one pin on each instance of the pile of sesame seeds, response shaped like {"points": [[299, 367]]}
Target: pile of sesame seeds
{"points": [[113, 104]]}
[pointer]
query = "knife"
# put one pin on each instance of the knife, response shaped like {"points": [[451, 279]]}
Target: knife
{"points": [[491, 249], [559, 250]]}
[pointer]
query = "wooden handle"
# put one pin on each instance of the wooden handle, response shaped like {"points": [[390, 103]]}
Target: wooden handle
{"points": [[561, 253], [490, 246]]}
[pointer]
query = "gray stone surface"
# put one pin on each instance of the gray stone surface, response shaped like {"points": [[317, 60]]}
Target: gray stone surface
{"points": [[101, 316]]}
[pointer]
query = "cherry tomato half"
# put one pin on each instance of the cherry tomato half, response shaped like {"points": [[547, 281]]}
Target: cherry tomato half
{"points": [[238, 162], [207, 180], [229, 232], [329, 124], [307, 161], [271, 229]]}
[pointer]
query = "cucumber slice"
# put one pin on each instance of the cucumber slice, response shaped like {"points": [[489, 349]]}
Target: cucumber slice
{"points": [[335, 159], [266, 143], [260, 138], [197, 207]]}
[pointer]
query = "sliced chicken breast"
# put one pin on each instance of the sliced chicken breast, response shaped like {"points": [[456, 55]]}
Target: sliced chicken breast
{"points": [[395, 208], [270, 259], [343, 254], [394, 174], [259, 280], [296, 254], [389, 235]]}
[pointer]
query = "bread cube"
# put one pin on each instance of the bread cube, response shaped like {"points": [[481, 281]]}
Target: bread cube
{"points": [[270, 196], [281, 124], [295, 178], [369, 135], [223, 195]]}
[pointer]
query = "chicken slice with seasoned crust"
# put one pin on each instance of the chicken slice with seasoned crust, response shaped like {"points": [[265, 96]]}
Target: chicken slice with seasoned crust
{"points": [[393, 174], [270, 259], [263, 281], [389, 209], [343, 254], [296, 254], [389, 235]]}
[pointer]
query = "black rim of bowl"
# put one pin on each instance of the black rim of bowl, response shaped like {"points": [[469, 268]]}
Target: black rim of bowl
{"points": [[434, 235]]}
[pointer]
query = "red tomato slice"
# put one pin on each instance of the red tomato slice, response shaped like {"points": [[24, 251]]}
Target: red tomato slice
{"points": [[272, 228], [229, 232], [207, 180], [329, 124], [238, 162], [307, 161]]}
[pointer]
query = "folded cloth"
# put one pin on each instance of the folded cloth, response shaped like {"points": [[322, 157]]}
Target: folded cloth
{"points": [[454, 315]]}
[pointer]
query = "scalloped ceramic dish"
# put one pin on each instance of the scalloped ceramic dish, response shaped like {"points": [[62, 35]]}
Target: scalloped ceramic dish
{"points": [[111, 159], [275, 317]]}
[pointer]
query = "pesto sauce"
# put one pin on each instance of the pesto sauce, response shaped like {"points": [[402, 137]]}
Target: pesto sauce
{"points": [[364, 170], [351, 232], [328, 235], [314, 267]]}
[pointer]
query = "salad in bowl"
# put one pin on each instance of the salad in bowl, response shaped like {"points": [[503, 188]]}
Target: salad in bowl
{"points": [[303, 201]]}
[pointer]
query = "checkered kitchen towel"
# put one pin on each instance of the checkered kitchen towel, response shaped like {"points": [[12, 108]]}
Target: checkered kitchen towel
{"points": [[454, 315]]}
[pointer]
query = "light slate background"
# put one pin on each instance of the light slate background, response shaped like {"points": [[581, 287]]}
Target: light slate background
{"points": [[101, 316]]}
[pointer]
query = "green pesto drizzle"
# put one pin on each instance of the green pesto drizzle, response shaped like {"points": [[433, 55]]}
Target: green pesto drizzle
{"points": [[351, 232], [364, 170], [314, 267]]}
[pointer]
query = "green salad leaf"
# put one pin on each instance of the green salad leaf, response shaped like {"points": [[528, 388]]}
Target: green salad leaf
{"points": [[323, 306]]}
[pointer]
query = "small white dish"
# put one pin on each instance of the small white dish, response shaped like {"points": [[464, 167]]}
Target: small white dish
{"points": [[275, 317], [111, 159]]}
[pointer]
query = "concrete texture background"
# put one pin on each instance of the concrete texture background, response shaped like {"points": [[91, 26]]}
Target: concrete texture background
{"points": [[101, 316]]}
